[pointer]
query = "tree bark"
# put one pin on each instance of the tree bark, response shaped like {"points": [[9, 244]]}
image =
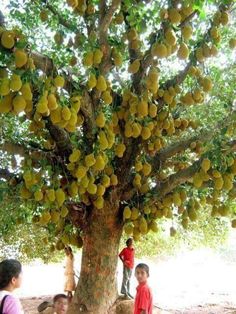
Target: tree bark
{"points": [[97, 288]]}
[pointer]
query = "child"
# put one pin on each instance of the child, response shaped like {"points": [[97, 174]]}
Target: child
{"points": [[59, 306], [143, 300], [10, 279], [127, 258], [69, 272]]}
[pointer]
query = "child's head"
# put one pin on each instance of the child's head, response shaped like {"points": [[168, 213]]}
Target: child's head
{"points": [[68, 250], [60, 303], [129, 242], [10, 274], [142, 272]]}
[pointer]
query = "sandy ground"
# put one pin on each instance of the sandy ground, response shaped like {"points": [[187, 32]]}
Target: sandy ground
{"points": [[200, 281]]}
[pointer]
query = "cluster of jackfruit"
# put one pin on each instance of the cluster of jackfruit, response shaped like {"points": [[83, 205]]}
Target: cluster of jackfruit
{"points": [[81, 7], [92, 177]]}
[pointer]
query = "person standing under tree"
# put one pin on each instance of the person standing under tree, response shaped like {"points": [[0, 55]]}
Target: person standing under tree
{"points": [[127, 258], [10, 279], [69, 272]]}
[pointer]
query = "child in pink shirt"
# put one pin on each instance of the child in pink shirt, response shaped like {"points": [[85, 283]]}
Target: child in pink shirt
{"points": [[10, 279]]}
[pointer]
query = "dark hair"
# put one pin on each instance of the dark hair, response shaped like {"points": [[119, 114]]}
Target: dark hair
{"points": [[144, 267], [9, 269], [68, 249], [128, 241], [59, 296]]}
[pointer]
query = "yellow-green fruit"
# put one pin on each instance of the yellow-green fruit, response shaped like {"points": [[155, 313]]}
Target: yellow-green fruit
{"points": [[233, 223], [126, 213], [66, 113], [38, 195], [143, 227], [75, 155], [206, 164], [159, 50], [120, 149], [197, 181], [51, 195], [97, 56], [101, 83], [186, 32], [145, 133], [106, 97], [55, 216], [138, 166], [214, 32], [8, 39], [128, 228], [153, 226], [60, 197], [183, 51], [15, 83], [206, 84], [114, 179], [6, 104], [99, 202], [142, 108], [43, 15], [147, 168], [92, 81], [174, 16], [103, 142], [170, 37], [80, 172], [100, 120], [59, 81], [218, 183], [26, 91], [89, 160], [136, 129], [117, 58], [73, 189], [106, 181], [19, 104], [224, 19], [100, 190], [5, 87], [135, 213], [152, 110], [134, 66], [172, 231], [72, 3], [21, 58], [99, 164], [232, 43], [52, 102], [177, 199], [88, 59], [25, 193], [58, 38], [92, 188], [45, 218], [64, 211]]}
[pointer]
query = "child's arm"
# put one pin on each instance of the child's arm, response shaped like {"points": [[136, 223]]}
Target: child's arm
{"points": [[143, 312]]}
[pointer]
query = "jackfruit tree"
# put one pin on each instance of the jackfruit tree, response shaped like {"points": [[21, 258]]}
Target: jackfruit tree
{"points": [[109, 122]]}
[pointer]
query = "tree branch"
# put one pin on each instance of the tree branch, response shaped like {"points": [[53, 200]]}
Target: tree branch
{"points": [[61, 20], [107, 16]]}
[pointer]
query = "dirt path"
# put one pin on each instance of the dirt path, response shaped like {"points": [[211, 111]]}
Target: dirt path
{"points": [[30, 307]]}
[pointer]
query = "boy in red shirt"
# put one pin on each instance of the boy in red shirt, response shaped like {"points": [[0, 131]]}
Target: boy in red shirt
{"points": [[127, 258], [143, 300]]}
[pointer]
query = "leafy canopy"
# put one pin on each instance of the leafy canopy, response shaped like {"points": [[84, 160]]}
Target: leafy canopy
{"points": [[118, 104]]}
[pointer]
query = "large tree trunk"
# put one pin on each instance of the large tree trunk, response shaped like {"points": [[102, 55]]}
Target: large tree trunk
{"points": [[97, 287]]}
